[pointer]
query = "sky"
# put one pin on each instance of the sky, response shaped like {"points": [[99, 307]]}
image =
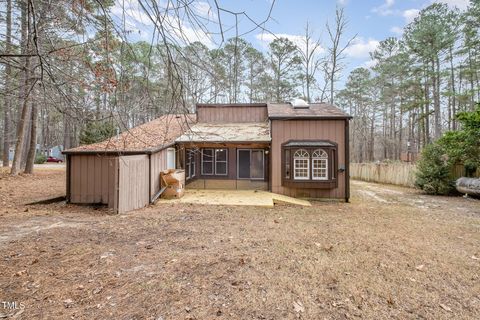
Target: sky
{"points": [[370, 20]]}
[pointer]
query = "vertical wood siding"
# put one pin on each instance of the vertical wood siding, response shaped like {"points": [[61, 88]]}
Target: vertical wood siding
{"points": [[133, 182], [93, 179], [284, 130], [159, 163], [232, 114]]}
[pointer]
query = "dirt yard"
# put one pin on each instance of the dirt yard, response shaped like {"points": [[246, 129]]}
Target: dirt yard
{"points": [[390, 253]]}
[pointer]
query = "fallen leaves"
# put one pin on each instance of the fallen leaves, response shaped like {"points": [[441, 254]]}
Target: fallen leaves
{"points": [[21, 273], [68, 303], [298, 307], [445, 307]]}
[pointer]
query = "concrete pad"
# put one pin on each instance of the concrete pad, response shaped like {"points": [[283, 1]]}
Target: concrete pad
{"points": [[280, 198], [235, 198]]}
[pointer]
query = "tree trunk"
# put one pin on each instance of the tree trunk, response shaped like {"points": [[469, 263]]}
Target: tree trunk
{"points": [[25, 92], [7, 102], [33, 140], [22, 124], [437, 117], [426, 113]]}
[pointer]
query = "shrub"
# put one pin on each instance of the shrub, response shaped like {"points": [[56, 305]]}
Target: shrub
{"points": [[40, 158], [433, 171]]}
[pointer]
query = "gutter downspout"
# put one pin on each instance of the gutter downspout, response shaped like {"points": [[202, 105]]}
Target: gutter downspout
{"points": [[347, 160], [150, 178], [68, 176]]}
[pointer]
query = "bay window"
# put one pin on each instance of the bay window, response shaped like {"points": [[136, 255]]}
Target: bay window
{"points": [[309, 164]]}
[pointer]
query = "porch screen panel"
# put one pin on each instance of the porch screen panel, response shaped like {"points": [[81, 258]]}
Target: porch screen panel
{"points": [[244, 164], [256, 164]]}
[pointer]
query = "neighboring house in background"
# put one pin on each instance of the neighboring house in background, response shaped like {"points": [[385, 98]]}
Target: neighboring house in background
{"points": [[55, 152], [297, 149]]}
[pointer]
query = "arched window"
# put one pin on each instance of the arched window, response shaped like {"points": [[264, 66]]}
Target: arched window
{"points": [[301, 165], [319, 165]]}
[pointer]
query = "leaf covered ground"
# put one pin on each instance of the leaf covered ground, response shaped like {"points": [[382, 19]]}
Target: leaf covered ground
{"points": [[390, 253]]}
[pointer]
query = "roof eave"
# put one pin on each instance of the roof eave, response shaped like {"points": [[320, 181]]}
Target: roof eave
{"points": [[226, 141], [118, 152], [310, 117]]}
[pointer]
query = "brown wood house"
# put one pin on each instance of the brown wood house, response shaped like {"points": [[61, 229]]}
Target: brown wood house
{"points": [[299, 150]]}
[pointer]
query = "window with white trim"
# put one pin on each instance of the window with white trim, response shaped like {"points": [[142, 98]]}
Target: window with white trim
{"points": [[190, 163], [301, 165], [214, 162], [221, 162], [319, 165], [207, 162]]}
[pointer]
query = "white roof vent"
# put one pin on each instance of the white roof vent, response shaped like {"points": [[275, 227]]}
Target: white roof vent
{"points": [[299, 104]]}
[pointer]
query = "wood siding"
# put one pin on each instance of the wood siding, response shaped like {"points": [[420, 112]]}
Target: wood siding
{"points": [[284, 130], [158, 163], [232, 114], [133, 183], [93, 179]]}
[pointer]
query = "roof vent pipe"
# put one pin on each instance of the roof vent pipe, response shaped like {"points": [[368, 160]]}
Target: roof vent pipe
{"points": [[299, 104]]}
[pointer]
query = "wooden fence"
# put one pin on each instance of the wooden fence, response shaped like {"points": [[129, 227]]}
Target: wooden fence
{"points": [[398, 173], [402, 174]]}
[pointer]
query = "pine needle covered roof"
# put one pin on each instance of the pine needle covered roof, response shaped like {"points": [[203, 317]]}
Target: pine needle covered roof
{"points": [[227, 132], [148, 137], [313, 111]]}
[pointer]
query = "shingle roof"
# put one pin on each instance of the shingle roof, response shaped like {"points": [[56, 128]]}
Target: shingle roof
{"points": [[227, 132], [153, 135], [315, 111], [320, 143]]}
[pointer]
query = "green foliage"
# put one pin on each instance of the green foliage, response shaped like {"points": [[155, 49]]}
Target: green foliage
{"points": [[463, 146], [96, 131], [285, 63], [454, 147], [433, 171], [40, 158]]}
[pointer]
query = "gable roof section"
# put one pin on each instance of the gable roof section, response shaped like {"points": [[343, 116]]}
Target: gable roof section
{"points": [[315, 111], [227, 132], [146, 138]]}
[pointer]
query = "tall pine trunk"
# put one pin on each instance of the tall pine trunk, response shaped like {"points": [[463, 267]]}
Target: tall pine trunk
{"points": [[7, 96], [25, 91], [33, 140], [436, 100]]}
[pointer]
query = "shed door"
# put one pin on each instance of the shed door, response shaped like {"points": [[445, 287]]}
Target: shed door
{"points": [[171, 158], [133, 183]]}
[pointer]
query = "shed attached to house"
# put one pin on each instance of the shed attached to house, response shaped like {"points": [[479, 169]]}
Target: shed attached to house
{"points": [[124, 172]]}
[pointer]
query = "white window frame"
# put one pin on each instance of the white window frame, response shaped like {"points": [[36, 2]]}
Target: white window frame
{"points": [[319, 155], [190, 155], [209, 161], [214, 162], [171, 157], [298, 158], [221, 161]]}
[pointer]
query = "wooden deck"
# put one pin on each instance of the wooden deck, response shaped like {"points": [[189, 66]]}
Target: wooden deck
{"points": [[236, 198]]}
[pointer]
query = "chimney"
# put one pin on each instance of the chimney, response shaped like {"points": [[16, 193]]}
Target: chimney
{"points": [[299, 104]]}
